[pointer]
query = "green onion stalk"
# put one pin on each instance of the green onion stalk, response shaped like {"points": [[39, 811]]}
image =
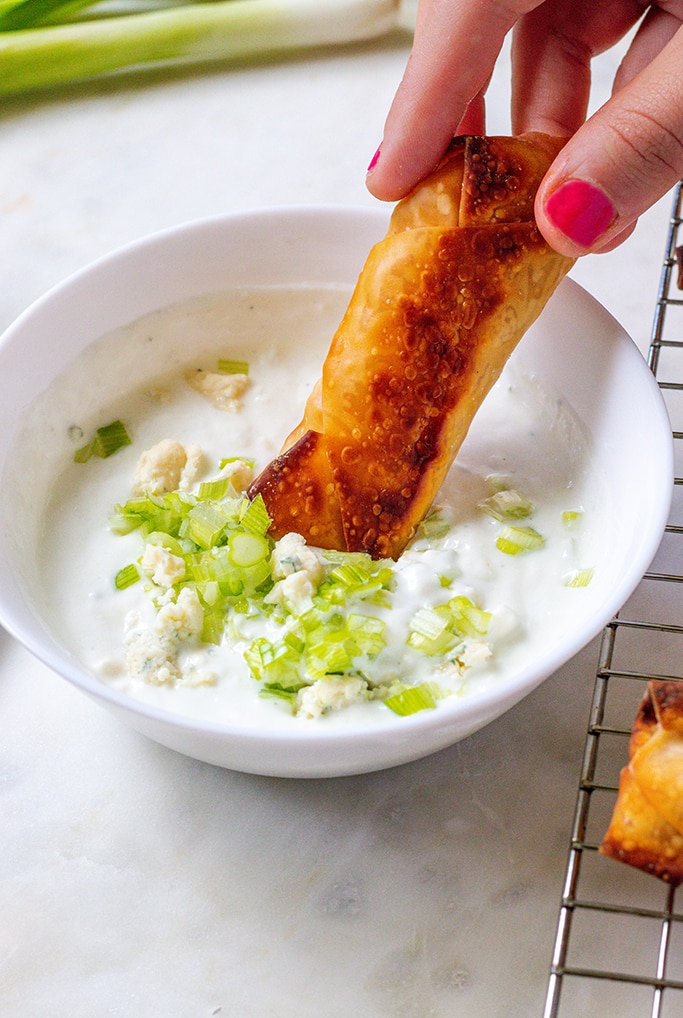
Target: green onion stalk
{"points": [[50, 55]]}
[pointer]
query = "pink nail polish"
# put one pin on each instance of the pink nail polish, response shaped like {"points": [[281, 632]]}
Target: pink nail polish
{"points": [[581, 211], [374, 160]]}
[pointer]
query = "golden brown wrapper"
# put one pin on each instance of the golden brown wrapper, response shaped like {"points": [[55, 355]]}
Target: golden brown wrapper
{"points": [[646, 828], [439, 306]]}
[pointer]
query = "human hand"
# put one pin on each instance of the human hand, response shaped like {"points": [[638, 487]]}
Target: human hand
{"points": [[614, 166]]}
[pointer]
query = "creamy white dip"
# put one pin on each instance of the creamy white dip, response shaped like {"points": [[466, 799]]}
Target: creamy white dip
{"points": [[523, 434]]}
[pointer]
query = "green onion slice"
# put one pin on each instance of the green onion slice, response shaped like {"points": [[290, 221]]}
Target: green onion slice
{"points": [[468, 618], [233, 367], [412, 699], [513, 540], [507, 504], [571, 517], [254, 515], [236, 459], [433, 526], [248, 549], [216, 489], [578, 578], [108, 440], [126, 577]]}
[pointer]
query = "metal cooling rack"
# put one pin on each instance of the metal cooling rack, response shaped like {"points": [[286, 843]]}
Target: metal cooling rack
{"points": [[618, 950]]}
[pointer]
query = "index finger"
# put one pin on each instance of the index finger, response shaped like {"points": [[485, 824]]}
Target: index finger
{"points": [[456, 45]]}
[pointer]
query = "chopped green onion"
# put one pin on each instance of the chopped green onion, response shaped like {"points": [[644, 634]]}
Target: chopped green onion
{"points": [[578, 578], [274, 662], [38, 58], [204, 524], [513, 540], [367, 633], [108, 440], [430, 631], [247, 549], [355, 575], [212, 595], [571, 517], [281, 691], [294, 642], [433, 526], [235, 459], [330, 656], [166, 541], [351, 575], [254, 515], [412, 699], [507, 504], [126, 577], [214, 490], [468, 619], [435, 631], [224, 561], [233, 367], [213, 626], [430, 622], [497, 482]]}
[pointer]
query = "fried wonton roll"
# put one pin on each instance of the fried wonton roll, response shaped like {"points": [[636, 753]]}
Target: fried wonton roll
{"points": [[646, 829], [439, 306]]}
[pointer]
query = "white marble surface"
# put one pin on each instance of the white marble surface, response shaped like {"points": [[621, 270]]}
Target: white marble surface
{"points": [[135, 882]]}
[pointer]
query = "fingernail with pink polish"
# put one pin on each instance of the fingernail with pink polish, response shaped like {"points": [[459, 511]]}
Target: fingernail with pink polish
{"points": [[374, 160], [581, 211]]}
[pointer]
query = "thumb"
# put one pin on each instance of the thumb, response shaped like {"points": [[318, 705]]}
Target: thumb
{"points": [[619, 163]]}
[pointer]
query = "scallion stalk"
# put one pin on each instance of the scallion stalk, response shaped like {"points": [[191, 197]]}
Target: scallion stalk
{"points": [[223, 30], [20, 14]]}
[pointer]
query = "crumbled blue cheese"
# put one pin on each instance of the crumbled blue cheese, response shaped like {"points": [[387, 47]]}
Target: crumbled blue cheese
{"points": [[150, 656], [298, 572], [333, 692], [182, 619], [164, 567], [224, 392], [167, 466], [152, 650], [472, 652]]}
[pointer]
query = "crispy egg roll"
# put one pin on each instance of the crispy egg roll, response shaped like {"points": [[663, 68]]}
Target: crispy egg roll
{"points": [[439, 306], [646, 828]]}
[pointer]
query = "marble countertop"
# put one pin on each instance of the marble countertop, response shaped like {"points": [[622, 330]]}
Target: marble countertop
{"points": [[136, 882]]}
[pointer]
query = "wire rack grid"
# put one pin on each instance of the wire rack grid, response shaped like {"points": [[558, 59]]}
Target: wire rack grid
{"points": [[618, 950]]}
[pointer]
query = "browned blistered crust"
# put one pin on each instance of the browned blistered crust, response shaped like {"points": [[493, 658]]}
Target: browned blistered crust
{"points": [[646, 829], [438, 308], [298, 487]]}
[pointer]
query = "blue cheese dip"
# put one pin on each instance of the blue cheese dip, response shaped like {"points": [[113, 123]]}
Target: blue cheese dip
{"points": [[503, 562]]}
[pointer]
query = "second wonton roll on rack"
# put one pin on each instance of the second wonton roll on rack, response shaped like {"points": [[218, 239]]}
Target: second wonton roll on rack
{"points": [[438, 308]]}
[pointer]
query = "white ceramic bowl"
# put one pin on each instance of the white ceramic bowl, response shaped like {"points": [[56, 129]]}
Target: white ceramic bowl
{"points": [[576, 348]]}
